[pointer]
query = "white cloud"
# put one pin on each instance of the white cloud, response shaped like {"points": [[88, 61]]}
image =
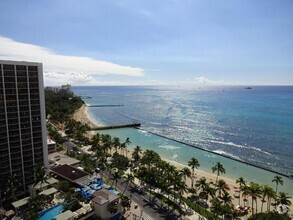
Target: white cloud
{"points": [[61, 67]]}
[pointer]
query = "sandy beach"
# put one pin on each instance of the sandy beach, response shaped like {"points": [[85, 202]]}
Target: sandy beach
{"points": [[82, 116]]}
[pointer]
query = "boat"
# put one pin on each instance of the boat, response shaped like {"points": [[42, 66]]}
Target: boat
{"points": [[248, 88]]}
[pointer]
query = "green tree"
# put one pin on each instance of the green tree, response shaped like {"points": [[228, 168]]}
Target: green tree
{"points": [[116, 143], [278, 180], [115, 177], [241, 183], [185, 172], [265, 191], [194, 164], [41, 174], [112, 207], [219, 169], [283, 198], [269, 216], [254, 191], [128, 179], [221, 187], [136, 154]]}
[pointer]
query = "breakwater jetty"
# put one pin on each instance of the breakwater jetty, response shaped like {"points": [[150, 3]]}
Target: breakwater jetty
{"points": [[102, 106], [133, 125], [210, 151]]}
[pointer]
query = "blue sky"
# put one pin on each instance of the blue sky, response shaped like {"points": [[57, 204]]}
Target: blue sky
{"points": [[107, 42]]}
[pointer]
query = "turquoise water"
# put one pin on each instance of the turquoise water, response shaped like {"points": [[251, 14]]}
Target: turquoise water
{"points": [[254, 126], [52, 212], [182, 153]]}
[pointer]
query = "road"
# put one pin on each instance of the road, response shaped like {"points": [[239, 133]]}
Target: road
{"points": [[150, 208]]}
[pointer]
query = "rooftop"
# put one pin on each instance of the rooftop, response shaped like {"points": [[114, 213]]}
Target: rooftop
{"points": [[65, 215], [21, 202], [68, 172], [102, 196], [62, 159]]}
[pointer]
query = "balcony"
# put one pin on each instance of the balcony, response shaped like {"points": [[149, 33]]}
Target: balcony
{"points": [[22, 96], [21, 68]]}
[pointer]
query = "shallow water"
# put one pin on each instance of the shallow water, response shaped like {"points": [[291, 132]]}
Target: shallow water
{"points": [[255, 126], [182, 153]]}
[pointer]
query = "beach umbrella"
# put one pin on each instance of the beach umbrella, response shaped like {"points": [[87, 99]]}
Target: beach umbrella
{"points": [[235, 187]]}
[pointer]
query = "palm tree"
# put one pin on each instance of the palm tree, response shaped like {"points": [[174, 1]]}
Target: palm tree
{"points": [[41, 174], [95, 141], [116, 143], [106, 142], [127, 143], [128, 179], [278, 181], [227, 200], [254, 191], [265, 190], [216, 207], [284, 199], [112, 207], [194, 164], [221, 187], [185, 172], [136, 154], [202, 184], [219, 169], [116, 176], [271, 194], [241, 183]]}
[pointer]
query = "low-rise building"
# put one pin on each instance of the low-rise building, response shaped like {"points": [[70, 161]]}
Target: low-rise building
{"points": [[57, 158], [52, 147], [101, 200]]}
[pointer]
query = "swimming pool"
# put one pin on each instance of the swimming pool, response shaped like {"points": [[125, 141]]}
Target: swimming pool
{"points": [[51, 212]]}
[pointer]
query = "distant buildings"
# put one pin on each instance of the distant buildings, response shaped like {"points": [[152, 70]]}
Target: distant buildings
{"points": [[64, 88], [22, 123]]}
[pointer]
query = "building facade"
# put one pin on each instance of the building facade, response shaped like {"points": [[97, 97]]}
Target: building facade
{"points": [[22, 122]]}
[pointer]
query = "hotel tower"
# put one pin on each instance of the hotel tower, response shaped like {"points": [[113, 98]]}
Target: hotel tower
{"points": [[22, 122]]}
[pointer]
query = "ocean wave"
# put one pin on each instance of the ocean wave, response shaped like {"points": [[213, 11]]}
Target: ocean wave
{"points": [[242, 146], [226, 154], [169, 147], [175, 156]]}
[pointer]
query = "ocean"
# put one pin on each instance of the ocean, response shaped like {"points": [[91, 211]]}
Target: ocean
{"points": [[250, 125]]}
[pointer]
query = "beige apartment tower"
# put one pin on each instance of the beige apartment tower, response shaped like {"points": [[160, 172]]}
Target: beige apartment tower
{"points": [[22, 122]]}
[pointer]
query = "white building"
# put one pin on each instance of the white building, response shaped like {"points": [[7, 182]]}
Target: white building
{"points": [[101, 200]]}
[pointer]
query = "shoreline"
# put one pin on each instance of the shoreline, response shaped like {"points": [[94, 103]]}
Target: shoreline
{"points": [[212, 152], [82, 116]]}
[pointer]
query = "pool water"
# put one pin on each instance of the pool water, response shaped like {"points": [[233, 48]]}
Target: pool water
{"points": [[51, 212]]}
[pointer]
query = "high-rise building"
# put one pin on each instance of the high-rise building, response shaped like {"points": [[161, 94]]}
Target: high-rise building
{"points": [[22, 122]]}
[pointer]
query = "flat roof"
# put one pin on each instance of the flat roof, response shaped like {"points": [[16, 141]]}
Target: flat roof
{"points": [[18, 62], [65, 215], [68, 172], [102, 196], [49, 181], [21, 202], [62, 159], [49, 191]]}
